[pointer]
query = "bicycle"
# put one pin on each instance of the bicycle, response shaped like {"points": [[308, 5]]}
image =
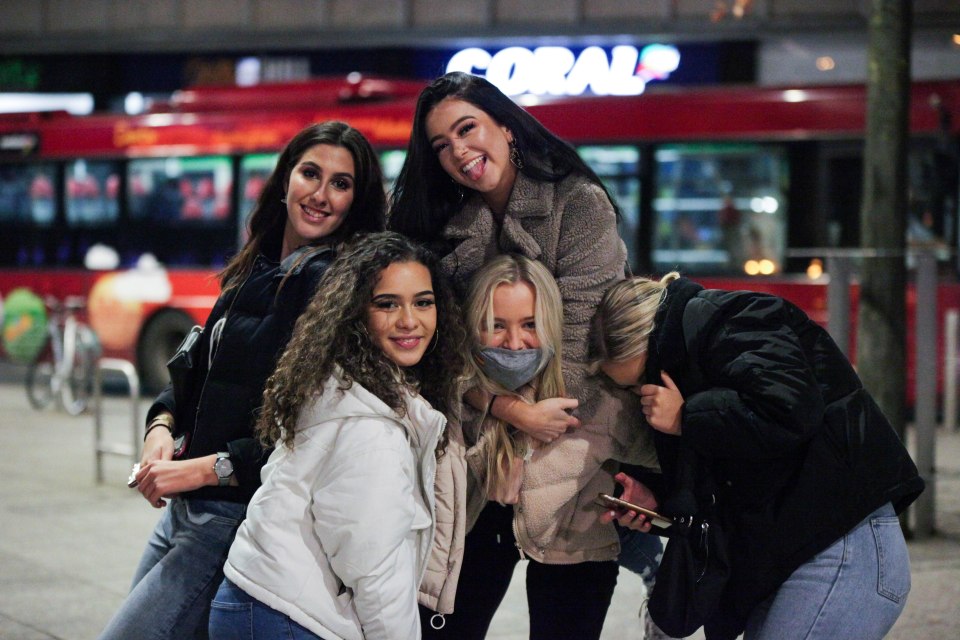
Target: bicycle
{"points": [[64, 370]]}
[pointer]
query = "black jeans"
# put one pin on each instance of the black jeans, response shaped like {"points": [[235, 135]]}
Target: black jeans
{"points": [[566, 601]]}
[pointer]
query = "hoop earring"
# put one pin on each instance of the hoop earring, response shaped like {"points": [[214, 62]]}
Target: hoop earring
{"points": [[459, 190], [516, 158], [283, 199]]}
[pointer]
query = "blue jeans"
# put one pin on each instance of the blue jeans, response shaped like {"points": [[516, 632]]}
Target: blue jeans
{"points": [[236, 615], [641, 553], [855, 588], [179, 572]]}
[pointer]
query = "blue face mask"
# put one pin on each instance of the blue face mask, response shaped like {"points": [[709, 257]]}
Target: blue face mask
{"points": [[513, 369]]}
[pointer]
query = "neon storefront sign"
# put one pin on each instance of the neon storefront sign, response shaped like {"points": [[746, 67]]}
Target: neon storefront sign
{"points": [[558, 71]]}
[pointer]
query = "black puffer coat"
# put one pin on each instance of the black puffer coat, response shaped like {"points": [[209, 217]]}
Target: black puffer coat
{"points": [[800, 451], [223, 406]]}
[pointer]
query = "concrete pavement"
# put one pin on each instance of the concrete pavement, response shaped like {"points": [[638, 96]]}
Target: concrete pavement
{"points": [[68, 546]]}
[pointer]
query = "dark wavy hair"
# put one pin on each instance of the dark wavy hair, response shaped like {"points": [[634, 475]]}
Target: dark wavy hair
{"points": [[332, 331], [425, 197], [269, 216]]}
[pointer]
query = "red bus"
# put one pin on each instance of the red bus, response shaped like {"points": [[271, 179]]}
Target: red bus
{"points": [[725, 183]]}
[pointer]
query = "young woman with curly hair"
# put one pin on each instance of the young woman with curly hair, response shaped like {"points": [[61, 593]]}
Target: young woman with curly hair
{"points": [[326, 186], [337, 538]]}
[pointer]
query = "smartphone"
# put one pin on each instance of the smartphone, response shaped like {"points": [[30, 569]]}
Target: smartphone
{"points": [[658, 520], [132, 480]]}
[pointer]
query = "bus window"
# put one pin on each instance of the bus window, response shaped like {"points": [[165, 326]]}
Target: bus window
{"points": [[92, 192], [391, 162], [618, 167], [180, 190], [27, 194], [932, 194], [255, 169], [180, 211], [720, 209]]}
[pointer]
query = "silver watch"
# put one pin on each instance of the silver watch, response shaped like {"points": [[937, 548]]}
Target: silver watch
{"points": [[223, 467]]}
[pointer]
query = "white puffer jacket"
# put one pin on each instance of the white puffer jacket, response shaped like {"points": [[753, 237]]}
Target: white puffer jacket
{"points": [[339, 534]]}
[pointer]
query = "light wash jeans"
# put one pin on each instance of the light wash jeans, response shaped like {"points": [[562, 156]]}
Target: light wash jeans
{"points": [[856, 588], [179, 572], [236, 615], [641, 553]]}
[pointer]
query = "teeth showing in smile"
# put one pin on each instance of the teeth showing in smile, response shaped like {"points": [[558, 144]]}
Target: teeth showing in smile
{"points": [[407, 343], [314, 214], [470, 165]]}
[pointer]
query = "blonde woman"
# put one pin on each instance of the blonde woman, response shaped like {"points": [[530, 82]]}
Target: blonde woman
{"points": [[811, 476], [527, 498]]}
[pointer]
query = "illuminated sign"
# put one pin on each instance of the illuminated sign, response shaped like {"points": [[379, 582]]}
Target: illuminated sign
{"points": [[558, 71]]}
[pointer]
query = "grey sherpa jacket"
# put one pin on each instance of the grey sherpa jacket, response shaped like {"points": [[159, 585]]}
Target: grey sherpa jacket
{"points": [[571, 228]]}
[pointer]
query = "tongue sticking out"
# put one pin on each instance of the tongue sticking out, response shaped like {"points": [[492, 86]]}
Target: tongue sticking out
{"points": [[476, 170]]}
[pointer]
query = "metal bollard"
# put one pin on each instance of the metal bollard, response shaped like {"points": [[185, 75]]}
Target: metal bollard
{"points": [[951, 325], [925, 370], [101, 447], [840, 270]]}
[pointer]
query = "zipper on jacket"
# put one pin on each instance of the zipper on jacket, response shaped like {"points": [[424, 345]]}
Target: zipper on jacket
{"points": [[516, 538], [206, 378]]}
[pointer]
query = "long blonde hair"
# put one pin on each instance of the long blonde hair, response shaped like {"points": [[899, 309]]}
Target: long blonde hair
{"points": [[548, 314], [621, 328]]}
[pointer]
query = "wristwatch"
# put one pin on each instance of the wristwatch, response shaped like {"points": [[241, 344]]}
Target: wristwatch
{"points": [[223, 468]]}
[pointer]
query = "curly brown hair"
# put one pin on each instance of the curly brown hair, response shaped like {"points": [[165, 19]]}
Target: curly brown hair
{"points": [[332, 331]]}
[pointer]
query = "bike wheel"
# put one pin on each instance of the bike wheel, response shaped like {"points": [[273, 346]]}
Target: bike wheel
{"points": [[78, 387], [38, 382]]}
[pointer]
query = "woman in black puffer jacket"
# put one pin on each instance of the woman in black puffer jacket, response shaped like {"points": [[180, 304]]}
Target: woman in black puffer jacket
{"points": [[811, 475]]}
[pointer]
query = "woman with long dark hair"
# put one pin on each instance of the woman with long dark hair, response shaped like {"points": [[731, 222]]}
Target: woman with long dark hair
{"points": [[326, 186], [483, 177]]}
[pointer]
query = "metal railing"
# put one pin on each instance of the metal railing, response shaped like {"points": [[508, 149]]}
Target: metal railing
{"points": [[841, 268], [103, 447]]}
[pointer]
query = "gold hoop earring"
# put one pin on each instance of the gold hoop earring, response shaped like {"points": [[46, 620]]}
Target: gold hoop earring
{"points": [[516, 158]]}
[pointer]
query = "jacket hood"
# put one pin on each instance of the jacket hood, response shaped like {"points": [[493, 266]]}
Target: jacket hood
{"points": [[338, 402]]}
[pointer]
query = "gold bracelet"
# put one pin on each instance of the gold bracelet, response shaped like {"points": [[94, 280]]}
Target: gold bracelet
{"points": [[162, 420]]}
